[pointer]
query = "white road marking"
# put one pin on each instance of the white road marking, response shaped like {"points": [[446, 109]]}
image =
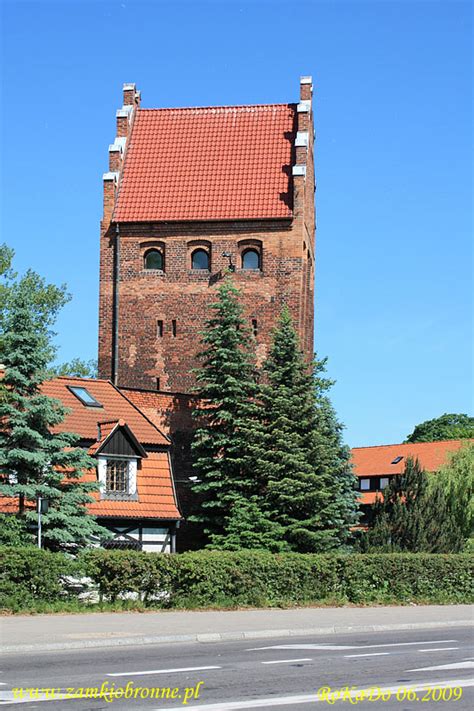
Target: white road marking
{"points": [[454, 665], [331, 647], [314, 698], [438, 649], [288, 661], [162, 671], [370, 654], [301, 646]]}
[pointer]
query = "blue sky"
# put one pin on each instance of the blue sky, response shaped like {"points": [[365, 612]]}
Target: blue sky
{"points": [[393, 162]]}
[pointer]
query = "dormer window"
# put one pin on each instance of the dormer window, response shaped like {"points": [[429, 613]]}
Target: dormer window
{"points": [[84, 396], [117, 476], [154, 259], [119, 454]]}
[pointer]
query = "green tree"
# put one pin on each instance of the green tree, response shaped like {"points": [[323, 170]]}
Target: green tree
{"points": [[227, 442], [414, 515], [456, 479], [448, 426], [77, 368], [14, 531], [249, 526], [36, 460], [310, 487]]}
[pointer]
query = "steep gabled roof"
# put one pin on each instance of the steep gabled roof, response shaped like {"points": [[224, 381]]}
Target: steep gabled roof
{"points": [[99, 422], [210, 163], [115, 406], [106, 433], [377, 461]]}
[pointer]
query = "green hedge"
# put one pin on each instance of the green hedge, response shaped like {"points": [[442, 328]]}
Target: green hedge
{"points": [[29, 577]]}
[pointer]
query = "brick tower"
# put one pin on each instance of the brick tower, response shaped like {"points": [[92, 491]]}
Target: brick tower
{"points": [[190, 192]]}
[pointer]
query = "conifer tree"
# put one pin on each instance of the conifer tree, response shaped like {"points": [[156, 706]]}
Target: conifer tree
{"points": [[249, 526], [309, 484], [34, 459], [227, 442], [414, 515]]}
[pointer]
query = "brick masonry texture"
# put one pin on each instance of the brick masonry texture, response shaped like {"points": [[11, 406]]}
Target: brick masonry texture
{"points": [[150, 300]]}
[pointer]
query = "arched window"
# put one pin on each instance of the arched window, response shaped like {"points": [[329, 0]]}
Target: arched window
{"points": [[251, 259], [200, 259], [154, 259]]}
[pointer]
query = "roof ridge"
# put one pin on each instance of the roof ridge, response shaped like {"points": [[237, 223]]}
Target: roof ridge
{"points": [[291, 104], [406, 444], [78, 377]]}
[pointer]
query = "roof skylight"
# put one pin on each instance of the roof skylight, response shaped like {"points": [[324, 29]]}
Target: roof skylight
{"points": [[84, 396], [397, 459]]}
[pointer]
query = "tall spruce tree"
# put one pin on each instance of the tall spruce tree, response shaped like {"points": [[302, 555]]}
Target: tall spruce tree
{"points": [[34, 459], [228, 441], [414, 516], [309, 484]]}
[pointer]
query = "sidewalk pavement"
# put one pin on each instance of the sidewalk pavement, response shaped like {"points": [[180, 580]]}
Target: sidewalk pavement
{"points": [[48, 632]]}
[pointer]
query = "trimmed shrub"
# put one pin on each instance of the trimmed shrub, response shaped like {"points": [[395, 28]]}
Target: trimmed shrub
{"points": [[29, 575], [29, 578]]}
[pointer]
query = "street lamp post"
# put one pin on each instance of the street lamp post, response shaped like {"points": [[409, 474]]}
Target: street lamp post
{"points": [[42, 508]]}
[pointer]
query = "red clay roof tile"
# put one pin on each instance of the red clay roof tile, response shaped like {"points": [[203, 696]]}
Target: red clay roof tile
{"points": [[377, 461], [115, 406], [156, 495], [210, 163]]}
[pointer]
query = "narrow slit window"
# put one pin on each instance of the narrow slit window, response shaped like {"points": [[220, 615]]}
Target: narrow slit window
{"points": [[158, 384], [254, 327], [159, 329], [173, 327]]}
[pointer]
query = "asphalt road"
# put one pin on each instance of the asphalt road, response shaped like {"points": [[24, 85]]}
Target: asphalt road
{"points": [[280, 674]]}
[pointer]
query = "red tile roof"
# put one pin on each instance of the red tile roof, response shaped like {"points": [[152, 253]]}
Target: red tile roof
{"points": [[156, 496], [84, 420], [168, 411], [377, 461], [211, 163]]}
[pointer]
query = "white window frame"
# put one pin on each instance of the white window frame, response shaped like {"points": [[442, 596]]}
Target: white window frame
{"points": [[382, 485], [102, 475], [364, 484]]}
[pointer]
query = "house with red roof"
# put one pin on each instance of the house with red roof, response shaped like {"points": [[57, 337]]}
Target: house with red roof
{"points": [[136, 500], [376, 466]]}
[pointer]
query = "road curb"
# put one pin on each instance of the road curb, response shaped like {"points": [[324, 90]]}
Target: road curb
{"points": [[228, 636]]}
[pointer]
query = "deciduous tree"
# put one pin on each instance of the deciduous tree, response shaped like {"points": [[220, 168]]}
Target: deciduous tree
{"points": [[448, 426]]}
